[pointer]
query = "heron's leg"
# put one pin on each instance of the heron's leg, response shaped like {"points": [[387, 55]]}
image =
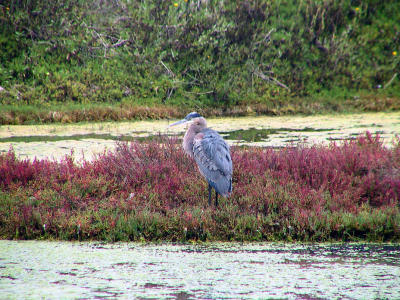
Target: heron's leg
{"points": [[209, 194], [216, 199]]}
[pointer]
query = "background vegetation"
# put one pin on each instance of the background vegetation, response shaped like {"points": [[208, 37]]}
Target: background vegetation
{"points": [[142, 192], [64, 57]]}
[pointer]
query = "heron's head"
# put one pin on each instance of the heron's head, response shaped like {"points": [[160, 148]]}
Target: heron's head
{"points": [[193, 118]]}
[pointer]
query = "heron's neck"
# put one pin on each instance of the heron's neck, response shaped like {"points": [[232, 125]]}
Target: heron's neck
{"points": [[188, 140], [190, 135]]}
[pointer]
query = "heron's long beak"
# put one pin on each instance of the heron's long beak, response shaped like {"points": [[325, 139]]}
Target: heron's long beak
{"points": [[179, 122]]}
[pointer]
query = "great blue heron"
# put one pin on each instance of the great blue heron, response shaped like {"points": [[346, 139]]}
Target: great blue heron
{"points": [[211, 154]]}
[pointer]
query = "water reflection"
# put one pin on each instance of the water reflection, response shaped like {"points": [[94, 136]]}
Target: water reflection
{"points": [[35, 269], [252, 135]]}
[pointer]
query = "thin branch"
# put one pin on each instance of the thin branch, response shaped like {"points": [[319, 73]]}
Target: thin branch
{"points": [[267, 37], [269, 79], [45, 42], [119, 44], [280, 83], [204, 93], [168, 69], [390, 81], [169, 93]]}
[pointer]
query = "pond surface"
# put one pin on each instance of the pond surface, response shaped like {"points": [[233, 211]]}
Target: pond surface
{"points": [[42, 269], [57, 140]]}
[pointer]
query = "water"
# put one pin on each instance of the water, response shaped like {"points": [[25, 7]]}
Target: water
{"points": [[43, 269], [57, 140]]}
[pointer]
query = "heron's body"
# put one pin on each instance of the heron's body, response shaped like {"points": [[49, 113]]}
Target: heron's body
{"points": [[211, 154]]}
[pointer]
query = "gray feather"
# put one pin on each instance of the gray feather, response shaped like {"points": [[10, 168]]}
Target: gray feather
{"points": [[213, 158]]}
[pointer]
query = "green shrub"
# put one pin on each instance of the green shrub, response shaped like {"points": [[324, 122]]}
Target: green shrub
{"points": [[211, 53]]}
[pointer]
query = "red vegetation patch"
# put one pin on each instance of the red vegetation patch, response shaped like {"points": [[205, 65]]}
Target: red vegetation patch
{"points": [[153, 191]]}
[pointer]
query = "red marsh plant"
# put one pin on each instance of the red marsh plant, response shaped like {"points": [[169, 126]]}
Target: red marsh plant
{"points": [[153, 191]]}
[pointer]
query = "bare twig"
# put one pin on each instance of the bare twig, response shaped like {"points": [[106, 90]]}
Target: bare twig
{"points": [[119, 44], [280, 83], [390, 81], [168, 69], [104, 40], [271, 79], [101, 39], [204, 93], [169, 93], [45, 42], [266, 38]]}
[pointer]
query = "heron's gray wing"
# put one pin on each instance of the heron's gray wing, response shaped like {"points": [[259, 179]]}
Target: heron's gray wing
{"points": [[212, 156], [212, 151]]}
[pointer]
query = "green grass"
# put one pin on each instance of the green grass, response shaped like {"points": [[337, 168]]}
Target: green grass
{"points": [[279, 57]]}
